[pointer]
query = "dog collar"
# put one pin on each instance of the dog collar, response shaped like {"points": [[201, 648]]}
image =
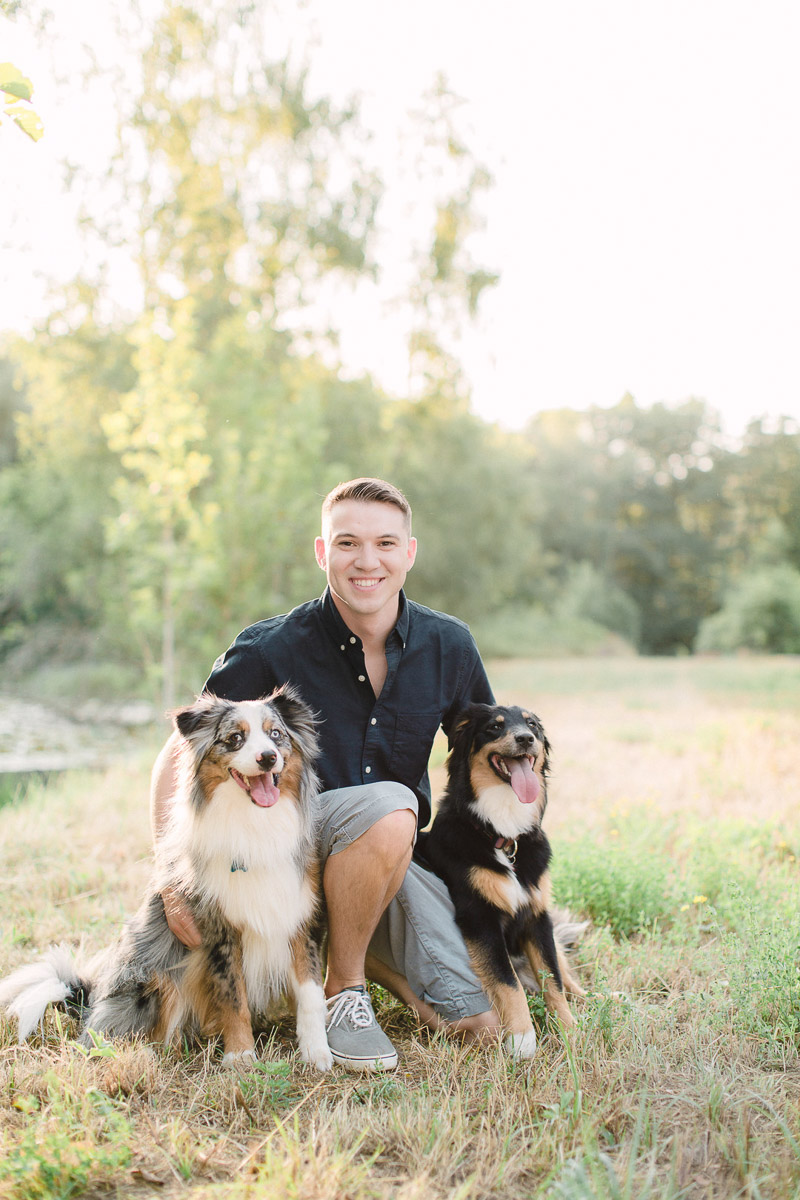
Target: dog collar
{"points": [[509, 848]]}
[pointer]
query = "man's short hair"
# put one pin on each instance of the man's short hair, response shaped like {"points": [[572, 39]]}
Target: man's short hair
{"points": [[378, 491]]}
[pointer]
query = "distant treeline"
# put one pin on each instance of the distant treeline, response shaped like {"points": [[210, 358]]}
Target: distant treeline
{"points": [[156, 497], [160, 475]]}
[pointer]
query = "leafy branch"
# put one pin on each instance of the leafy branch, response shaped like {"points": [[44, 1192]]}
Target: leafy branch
{"points": [[15, 94]]}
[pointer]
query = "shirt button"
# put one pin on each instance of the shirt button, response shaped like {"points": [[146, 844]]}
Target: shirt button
{"points": [[362, 679], [352, 641], [367, 770], [374, 721], [341, 647]]}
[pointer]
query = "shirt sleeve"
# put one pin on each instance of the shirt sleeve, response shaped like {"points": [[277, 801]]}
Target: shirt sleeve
{"points": [[240, 673], [473, 686]]}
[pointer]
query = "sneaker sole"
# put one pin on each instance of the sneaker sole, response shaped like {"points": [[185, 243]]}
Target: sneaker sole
{"points": [[384, 1062]]}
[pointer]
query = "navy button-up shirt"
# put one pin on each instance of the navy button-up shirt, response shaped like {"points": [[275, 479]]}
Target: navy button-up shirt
{"points": [[434, 670]]}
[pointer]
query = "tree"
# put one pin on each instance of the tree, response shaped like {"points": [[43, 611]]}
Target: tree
{"points": [[448, 281], [157, 431], [16, 91], [636, 493], [761, 612]]}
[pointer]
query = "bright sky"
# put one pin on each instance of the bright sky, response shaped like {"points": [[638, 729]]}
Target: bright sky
{"points": [[644, 217]]}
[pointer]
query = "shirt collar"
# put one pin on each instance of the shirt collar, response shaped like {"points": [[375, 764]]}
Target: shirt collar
{"points": [[340, 631]]}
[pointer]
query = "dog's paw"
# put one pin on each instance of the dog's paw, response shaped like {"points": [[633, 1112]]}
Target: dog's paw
{"points": [[234, 1059], [317, 1054], [521, 1045]]}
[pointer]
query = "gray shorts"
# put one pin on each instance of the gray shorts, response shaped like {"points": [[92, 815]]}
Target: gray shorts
{"points": [[417, 935]]}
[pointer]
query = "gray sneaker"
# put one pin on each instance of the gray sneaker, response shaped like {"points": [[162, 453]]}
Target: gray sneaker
{"points": [[355, 1038]]}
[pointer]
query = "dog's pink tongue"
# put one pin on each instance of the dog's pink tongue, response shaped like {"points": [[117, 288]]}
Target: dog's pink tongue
{"points": [[263, 791], [524, 780]]}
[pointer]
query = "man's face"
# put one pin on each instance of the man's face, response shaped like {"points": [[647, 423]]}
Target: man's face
{"points": [[366, 552]]}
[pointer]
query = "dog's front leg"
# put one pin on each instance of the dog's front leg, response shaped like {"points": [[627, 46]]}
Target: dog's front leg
{"points": [[305, 985], [220, 997], [498, 978], [549, 966]]}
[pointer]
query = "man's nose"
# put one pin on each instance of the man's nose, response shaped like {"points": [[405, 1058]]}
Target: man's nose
{"points": [[367, 558]]}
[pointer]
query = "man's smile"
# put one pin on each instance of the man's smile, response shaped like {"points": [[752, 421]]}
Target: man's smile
{"points": [[365, 584]]}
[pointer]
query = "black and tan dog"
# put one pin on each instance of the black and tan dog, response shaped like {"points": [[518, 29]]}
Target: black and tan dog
{"points": [[487, 844]]}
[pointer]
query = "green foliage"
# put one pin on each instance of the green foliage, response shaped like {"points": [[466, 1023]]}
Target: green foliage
{"points": [[16, 92], [590, 594], [160, 476], [628, 886], [513, 631], [761, 612], [71, 1142]]}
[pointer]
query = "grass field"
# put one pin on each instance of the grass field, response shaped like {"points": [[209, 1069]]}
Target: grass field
{"points": [[673, 816]]}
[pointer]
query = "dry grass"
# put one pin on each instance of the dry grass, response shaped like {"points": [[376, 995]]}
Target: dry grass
{"points": [[674, 827]]}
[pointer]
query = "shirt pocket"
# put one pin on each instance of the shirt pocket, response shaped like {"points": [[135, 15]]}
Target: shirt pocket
{"points": [[413, 739]]}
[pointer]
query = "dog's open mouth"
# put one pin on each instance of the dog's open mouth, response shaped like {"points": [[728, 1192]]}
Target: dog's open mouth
{"points": [[519, 773], [263, 790]]}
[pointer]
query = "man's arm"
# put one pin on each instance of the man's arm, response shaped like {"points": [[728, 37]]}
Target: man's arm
{"points": [[163, 783]]}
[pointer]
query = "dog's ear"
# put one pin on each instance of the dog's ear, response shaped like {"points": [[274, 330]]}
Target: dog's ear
{"points": [[300, 720], [197, 717], [463, 733]]}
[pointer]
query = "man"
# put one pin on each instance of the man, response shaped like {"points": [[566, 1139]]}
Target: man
{"points": [[384, 673]]}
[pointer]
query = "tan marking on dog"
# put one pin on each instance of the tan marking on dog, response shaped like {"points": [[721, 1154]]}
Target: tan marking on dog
{"points": [[210, 775], [541, 897], [170, 1010], [291, 775], [501, 891], [482, 776], [305, 958], [554, 997], [509, 1002], [228, 1015]]}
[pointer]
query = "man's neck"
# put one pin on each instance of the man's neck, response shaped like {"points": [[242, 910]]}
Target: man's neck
{"points": [[374, 628]]}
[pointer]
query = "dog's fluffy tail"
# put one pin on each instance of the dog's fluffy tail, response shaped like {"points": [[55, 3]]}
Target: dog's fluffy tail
{"points": [[53, 979], [568, 933]]}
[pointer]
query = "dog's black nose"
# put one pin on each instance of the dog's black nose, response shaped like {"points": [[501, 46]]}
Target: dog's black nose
{"points": [[524, 740], [267, 760]]}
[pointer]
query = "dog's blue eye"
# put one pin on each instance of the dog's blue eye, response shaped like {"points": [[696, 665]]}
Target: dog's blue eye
{"points": [[277, 735]]}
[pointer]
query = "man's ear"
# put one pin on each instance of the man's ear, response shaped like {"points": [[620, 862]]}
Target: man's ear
{"points": [[412, 551], [319, 553]]}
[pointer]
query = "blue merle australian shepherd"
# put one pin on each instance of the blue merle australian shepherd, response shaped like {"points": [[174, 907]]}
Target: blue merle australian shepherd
{"points": [[239, 850]]}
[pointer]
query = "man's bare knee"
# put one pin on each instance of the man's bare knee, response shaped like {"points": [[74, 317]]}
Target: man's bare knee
{"points": [[392, 835]]}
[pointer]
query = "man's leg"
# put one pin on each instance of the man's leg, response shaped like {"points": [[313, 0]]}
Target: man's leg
{"points": [[366, 837], [418, 954], [358, 883], [482, 1027]]}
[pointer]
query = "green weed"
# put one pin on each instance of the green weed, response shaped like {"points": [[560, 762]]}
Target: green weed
{"points": [[69, 1143]]}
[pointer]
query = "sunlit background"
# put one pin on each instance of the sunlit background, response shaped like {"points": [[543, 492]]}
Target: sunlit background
{"points": [[537, 263]]}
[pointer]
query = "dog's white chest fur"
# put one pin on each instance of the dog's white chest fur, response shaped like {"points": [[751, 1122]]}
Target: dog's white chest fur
{"points": [[244, 859], [501, 809]]}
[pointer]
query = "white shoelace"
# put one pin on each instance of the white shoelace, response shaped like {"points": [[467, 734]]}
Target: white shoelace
{"points": [[351, 1006]]}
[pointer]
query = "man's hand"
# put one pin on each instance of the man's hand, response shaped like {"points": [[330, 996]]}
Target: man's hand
{"points": [[180, 919]]}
